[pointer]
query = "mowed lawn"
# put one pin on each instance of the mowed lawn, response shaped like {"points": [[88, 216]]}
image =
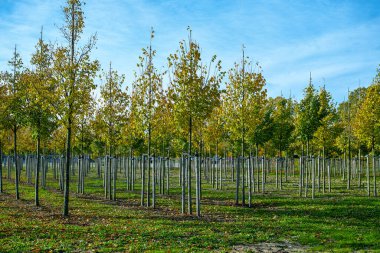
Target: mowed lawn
{"points": [[344, 220]]}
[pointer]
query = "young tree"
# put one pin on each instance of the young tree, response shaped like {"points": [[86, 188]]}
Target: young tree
{"points": [[307, 120], [245, 95], [112, 113], [195, 92], [147, 87], [74, 72], [13, 119], [326, 133], [367, 121], [39, 116], [263, 131], [113, 108], [3, 97], [283, 117]]}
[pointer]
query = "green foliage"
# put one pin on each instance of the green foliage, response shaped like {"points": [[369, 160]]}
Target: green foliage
{"points": [[245, 100], [283, 121], [308, 114], [194, 89], [13, 93], [112, 114], [146, 93], [368, 119], [328, 129], [40, 118]]}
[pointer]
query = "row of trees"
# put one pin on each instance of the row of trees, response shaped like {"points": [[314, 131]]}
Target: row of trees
{"points": [[180, 110]]}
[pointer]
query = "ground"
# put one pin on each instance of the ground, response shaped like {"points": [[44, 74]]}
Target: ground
{"points": [[278, 221]]}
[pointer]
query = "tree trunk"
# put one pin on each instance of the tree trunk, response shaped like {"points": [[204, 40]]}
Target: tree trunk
{"points": [[349, 165], [313, 165], [149, 168], [329, 175], [324, 169], [154, 182], [242, 167], [189, 167], [182, 183], [16, 161], [374, 170], [368, 177], [258, 168], [360, 168], [198, 184], [250, 180], [67, 169], [237, 181], [37, 175]]}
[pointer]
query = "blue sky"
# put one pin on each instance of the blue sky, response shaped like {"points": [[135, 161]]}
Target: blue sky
{"points": [[338, 41]]}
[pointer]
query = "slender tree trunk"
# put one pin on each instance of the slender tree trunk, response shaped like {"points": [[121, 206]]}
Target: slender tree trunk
{"points": [[258, 168], [349, 165], [37, 175], [329, 175], [242, 167], [237, 181], [374, 170], [198, 184], [368, 177], [250, 180], [360, 168], [154, 182], [277, 160], [313, 165], [182, 183], [189, 168], [67, 169], [17, 179], [324, 169]]}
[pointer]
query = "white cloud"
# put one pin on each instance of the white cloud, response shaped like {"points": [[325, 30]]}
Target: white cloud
{"points": [[288, 38]]}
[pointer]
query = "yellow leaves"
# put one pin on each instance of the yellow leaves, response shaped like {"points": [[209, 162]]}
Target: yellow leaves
{"points": [[367, 121], [195, 90], [245, 97]]}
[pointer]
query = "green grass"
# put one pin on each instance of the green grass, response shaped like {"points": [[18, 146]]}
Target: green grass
{"points": [[344, 220]]}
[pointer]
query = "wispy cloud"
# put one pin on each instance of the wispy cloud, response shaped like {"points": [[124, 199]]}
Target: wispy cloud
{"points": [[336, 41]]}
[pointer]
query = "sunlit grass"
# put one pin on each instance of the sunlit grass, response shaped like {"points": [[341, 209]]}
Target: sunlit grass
{"points": [[344, 220]]}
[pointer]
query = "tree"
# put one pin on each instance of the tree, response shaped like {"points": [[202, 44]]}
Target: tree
{"points": [[3, 98], [283, 117], [13, 119], [264, 130], [328, 130], [40, 118], [367, 121], [113, 108], [308, 118], [74, 72], [195, 92], [163, 122], [147, 87], [112, 114], [245, 95]]}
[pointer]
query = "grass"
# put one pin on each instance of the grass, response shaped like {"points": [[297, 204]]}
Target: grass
{"points": [[344, 220]]}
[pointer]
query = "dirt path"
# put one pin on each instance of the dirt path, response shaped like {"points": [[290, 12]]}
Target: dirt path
{"points": [[266, 247]]}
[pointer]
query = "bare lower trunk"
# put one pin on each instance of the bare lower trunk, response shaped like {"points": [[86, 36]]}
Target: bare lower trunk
{"points": [[189, 168], [67, 170], [37, 175], [16, 161]]}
